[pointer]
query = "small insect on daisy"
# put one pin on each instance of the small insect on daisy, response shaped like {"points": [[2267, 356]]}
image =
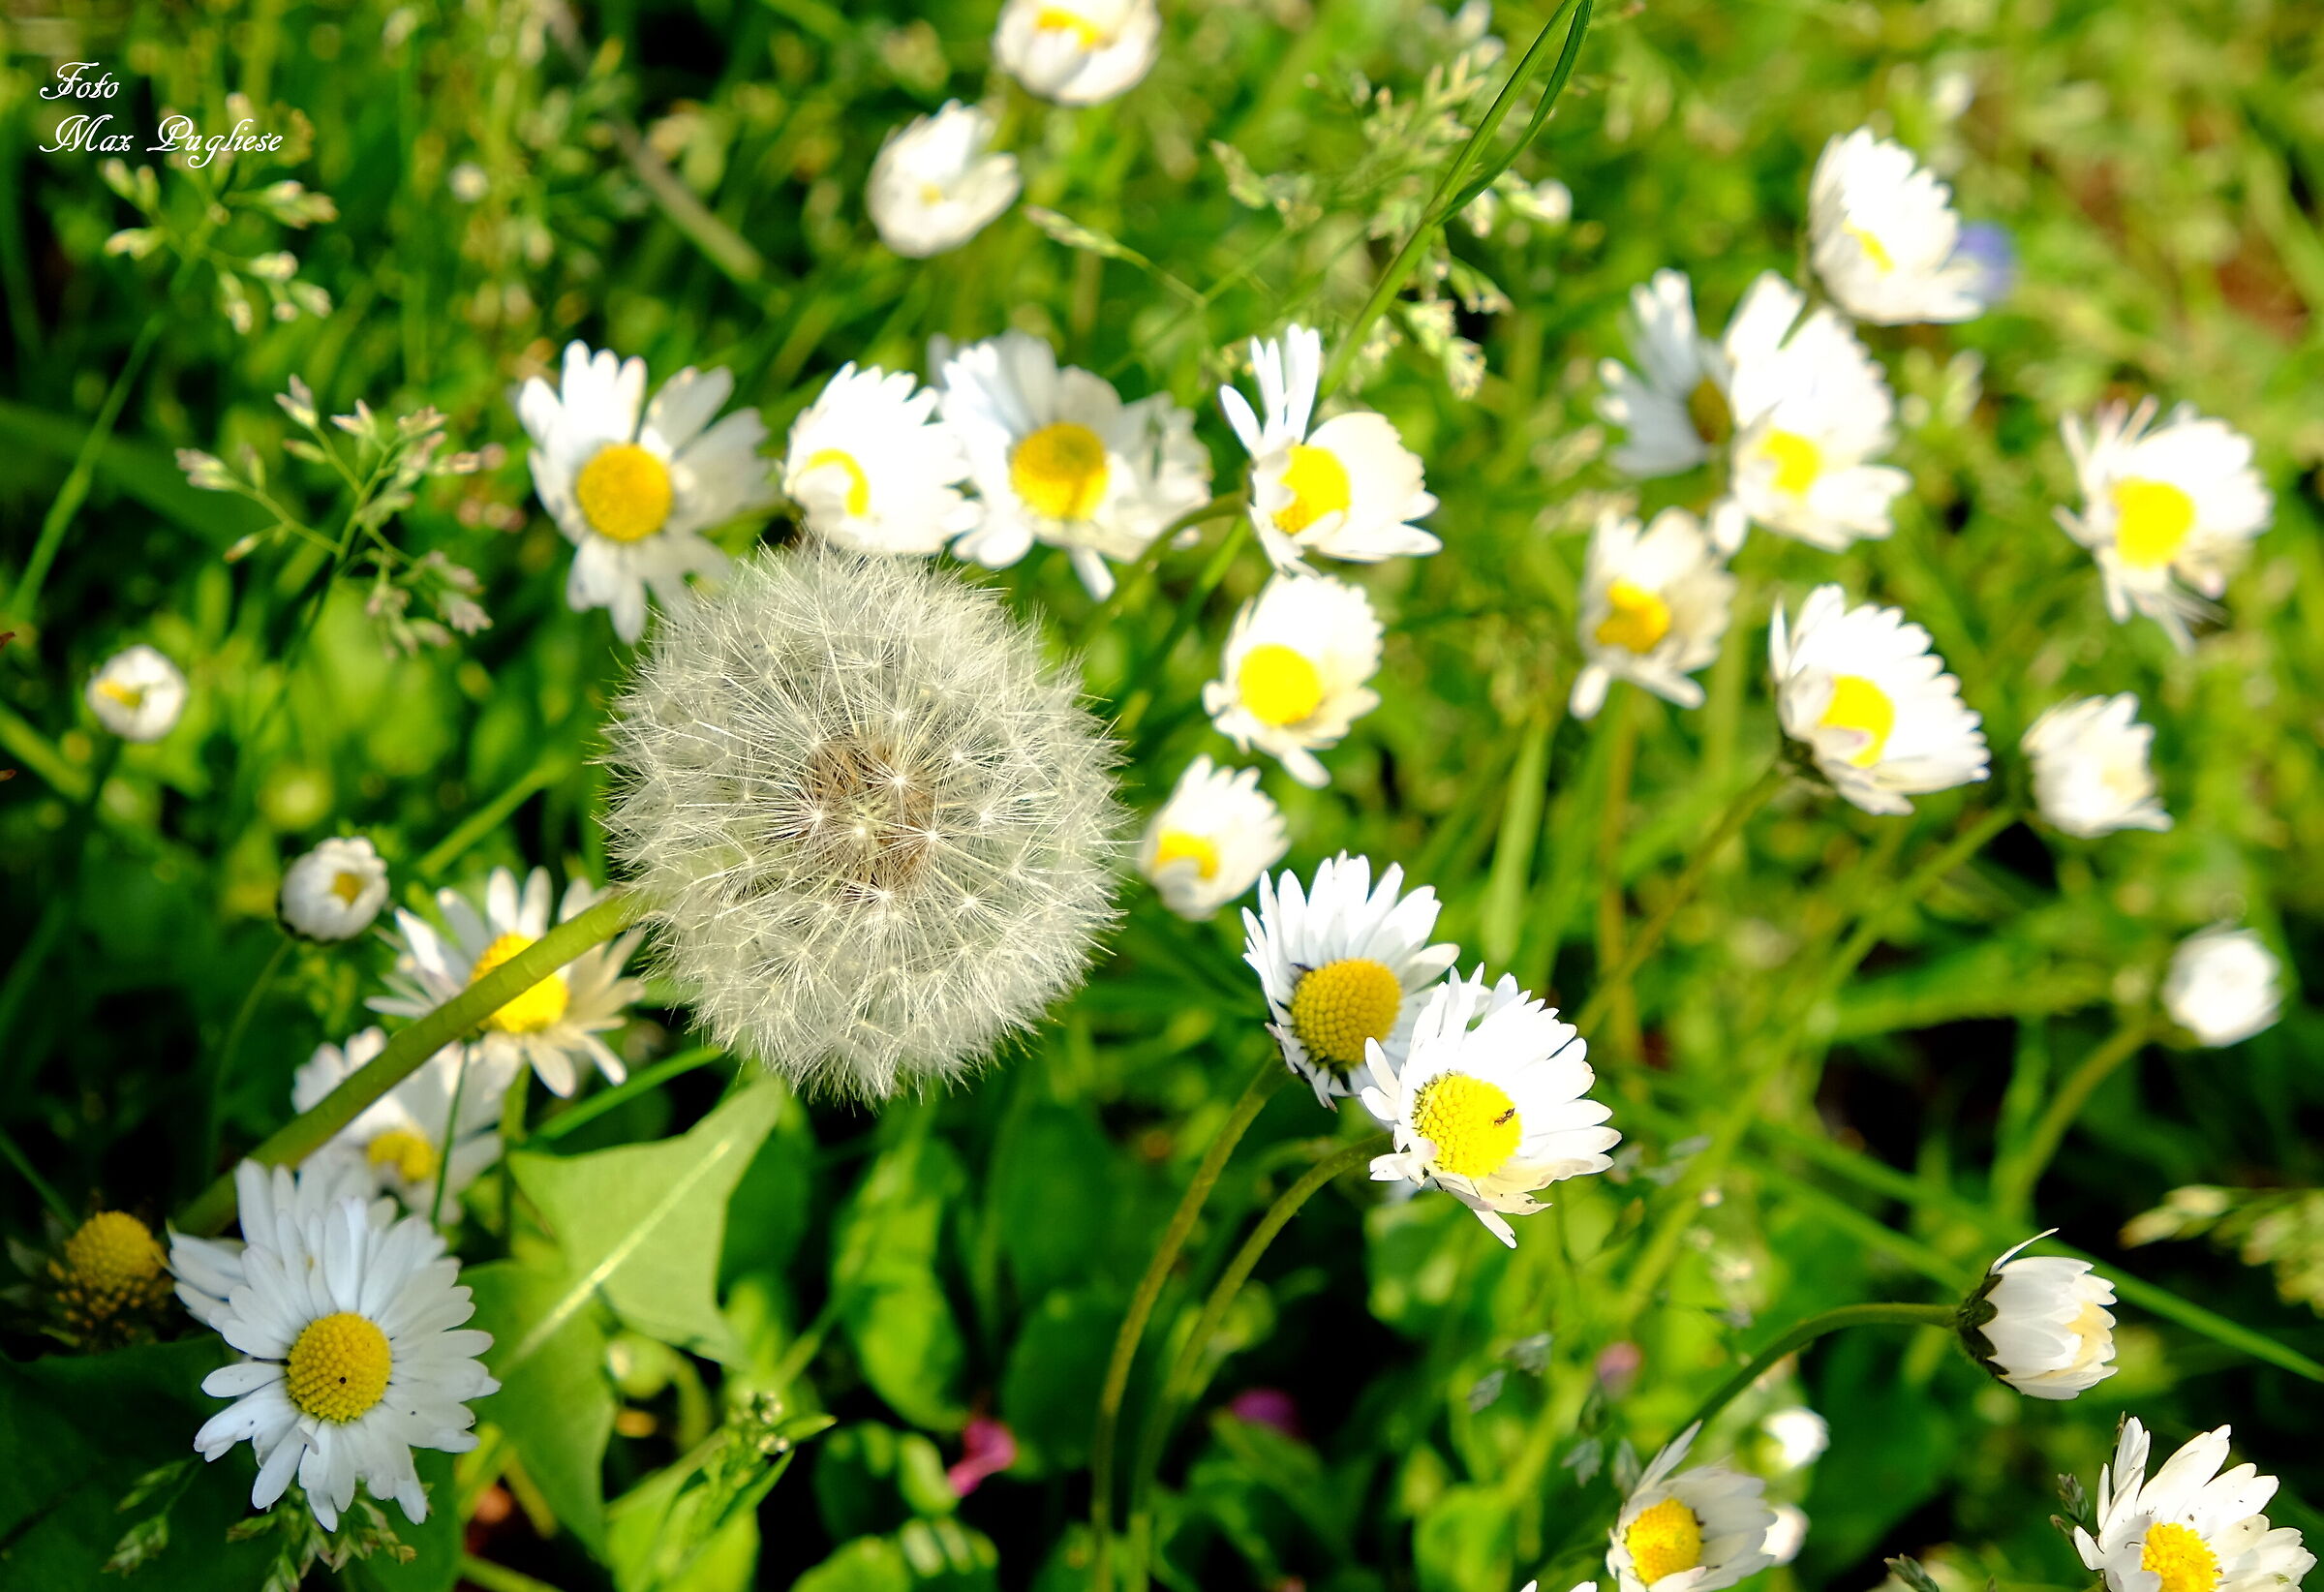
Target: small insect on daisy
{"points": [[2189, 1528], [1348, 489], [334, 891], [1340, 963], [1490, 1103], [634, 491], [873, 470], [2223, 986], [1675, 407], [1884, 238], [1653, 608], [550, 1027], [1690, 1530], [1211, 839], [936, 182], [1059, 458], [2041, 1324], [1870, 704], [1077, 52], [442, 1122], [2168, 513], [137, 694], [1293, 676], [2090, 775]]}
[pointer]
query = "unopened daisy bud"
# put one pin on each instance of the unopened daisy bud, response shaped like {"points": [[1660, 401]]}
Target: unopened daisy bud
{"points": [[334, 891], [108, 1279], [1653, 608], [2090, 767], [137, 694], [2041, 1324], [1077, 52], [876, 828], [1293, 676], [1213, 838], [2223, 986], [2190, 1528], [937, 183], [1690, 1530], [1885, 238]]}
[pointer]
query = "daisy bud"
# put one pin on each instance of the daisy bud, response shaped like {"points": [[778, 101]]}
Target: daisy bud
{"points": [[1077, 52], [334, 891], [2041, 1324], [938, 183], [2090, 767], [2223, 987], [139, 694]]}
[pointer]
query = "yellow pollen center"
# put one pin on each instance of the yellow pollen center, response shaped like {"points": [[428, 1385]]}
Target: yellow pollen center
{"points": [[131, 697], [1318, 484], [858, 489], [1177, 845], [1664, 1541], [538, 1007], [624, 492], [112, 1249], [1874, 249], [1637, 619], [2151, 520], [1278, 684], [412, 1157], [1060, 471], [1798, 461], [2181, 1557], [1473, 1124], [1708, 412], [347, 886], [1859, 705], [1057, 19], [339, 1366], [1339, 1006]]}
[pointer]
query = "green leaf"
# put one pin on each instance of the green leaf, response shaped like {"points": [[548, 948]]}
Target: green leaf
{"points": [[911, 1349], [556, 1403], [436, 1542], [868, 1564], [1466, 1542], [1055, 1373], [1052, 1197]]}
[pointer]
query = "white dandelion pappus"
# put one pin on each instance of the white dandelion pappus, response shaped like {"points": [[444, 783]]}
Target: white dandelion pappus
{"points": [[1654, 607], [2223, 986], [1293, 676], [873, 470], [2091, 774], [1884, 238], [936, 182], [444, 1119], [333, 892], [1212, 840], [2044, 1324], [1078, 52], [138, 694], [2191, 1527]]}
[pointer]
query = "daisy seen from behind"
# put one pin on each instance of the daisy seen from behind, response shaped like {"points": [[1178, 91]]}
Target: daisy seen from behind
{"points": [[1077, 52], [334, 891], [1690, 1530], [1490, 1103], [937, 182], [2091, 774], [1654, 606], [873, 470], [1293, 676], [2041, 1324], [138, 694], [1211, 839], [442, 1121], [1674, 405], [2223, 986], [2191, 1527], [634, 484], [1870, 704], [1884, 238]]}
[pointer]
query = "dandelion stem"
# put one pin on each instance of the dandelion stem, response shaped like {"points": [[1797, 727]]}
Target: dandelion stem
{"points": [[414, 1043], [214, 1094], [1807, 1332], [2015, 1176]]}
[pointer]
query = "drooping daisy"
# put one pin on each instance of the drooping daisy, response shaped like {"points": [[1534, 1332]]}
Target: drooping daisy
{"points": [[936, 182], [634, 493], [2090, 767], [1348, 489], [1653, 608], [1689, 1531], [1490, 1103], [2041, 1324], [2181, 501], [334, 891], [873, 470], [1211, 839], [1059, 458], [2221, 986], [1077, 52], [1674, 405], [137, 694], [2190, 1528], [356, 1353], [1340, 963], [1885, 238], [453, 1099], [1293, 676], [1860, 691], [553, 1023]]}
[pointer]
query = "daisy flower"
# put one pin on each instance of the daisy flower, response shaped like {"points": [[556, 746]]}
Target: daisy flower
{"points": [[137, 694], [1653, 608], [2221, 987], [334, 891], [402, 1138], [2090, 767], [1860, 691], [553, 1023], [1293, 676], [1884, 238], [1339, 962], [936, 182], [1077, 52], [1490, 1103], [2041, 1324], [1689, 1531], [1211, 839], [873, 470], [1348, 489], [355, 1356], [2189, 1528], [1058, 457], [633, 495], [2181, 501], [1674, 405]]}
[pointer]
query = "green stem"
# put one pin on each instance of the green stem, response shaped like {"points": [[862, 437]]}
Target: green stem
{"points": [[495, 1577], [49, 1197], [214, 1096], [483, 821], [1180, 622], [1808, 1331], [1877, 920], [414, 1043], [1272, 1075], [1622, 755], [1135, 574], [2015, 1178], [621, 1094], [448, 1141]]}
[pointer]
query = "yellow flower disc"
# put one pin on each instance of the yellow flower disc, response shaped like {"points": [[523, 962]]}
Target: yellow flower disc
{"points": [[1798, 461], [1857, 704], [1057, 19], [1874, 249], [2181, 1556], [624, 492], [1339, 1006], [1318, 484], [859, 486], [339, 1366], [2151, 522], [113, 1250], [537, 1008], [1637, 619], [1278, 685], [131, 697], [1473, 1124], [413, 1157], [347, 886], [1060, 471], [1664, 1541], [1177, 844]]}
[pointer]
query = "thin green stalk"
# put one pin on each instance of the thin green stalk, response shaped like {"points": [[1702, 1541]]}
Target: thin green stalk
{"points": [[1808, 1331], [483, 821], [1876, 922], [25, 599], [213, 1095], [1271, 1076], [49, 1197], [1613, 813], [1135, 575], [653, 1078], [413, 1044], [2015, 1177], [1503, 917], [448, 1141], [495, 1577], [1189, 610]]}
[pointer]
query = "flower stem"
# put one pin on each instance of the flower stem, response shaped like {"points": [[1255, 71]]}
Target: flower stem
{"points": [[1190, 609], [1621, 759], [621, 1094], [1808, 1331], [214, 1096], [2015, 1176], [1135, 575], [414, 1043]]}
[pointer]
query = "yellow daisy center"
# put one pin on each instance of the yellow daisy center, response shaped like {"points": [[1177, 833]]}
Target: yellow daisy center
{"points": [[1664, 1541], [1874, 249], [2181, 1556], [1278, 685], [624, 492], [113, 1250], [1178, 845], [339, 1366], [347, 886], [859, 487], [2151, 520], [1637, 619], [131, 697], [1857, 704], [1318, 484], [1708, 412], [538, 1007], [1473, 1124], [412, 1157], [1057, 19], [1798, 461], [1060, 471], [1339, 1006]]}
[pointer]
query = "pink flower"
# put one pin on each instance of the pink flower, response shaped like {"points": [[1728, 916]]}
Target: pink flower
{"points": [[1268, 1407], [987, 1449]]}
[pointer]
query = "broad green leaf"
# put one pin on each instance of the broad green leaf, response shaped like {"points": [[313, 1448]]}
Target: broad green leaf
{"points": [[653, 1537], [868, 1564], [1053, 1196], [901, 1328], [556, 1401], [868, 1476], [1055, 1372]]}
